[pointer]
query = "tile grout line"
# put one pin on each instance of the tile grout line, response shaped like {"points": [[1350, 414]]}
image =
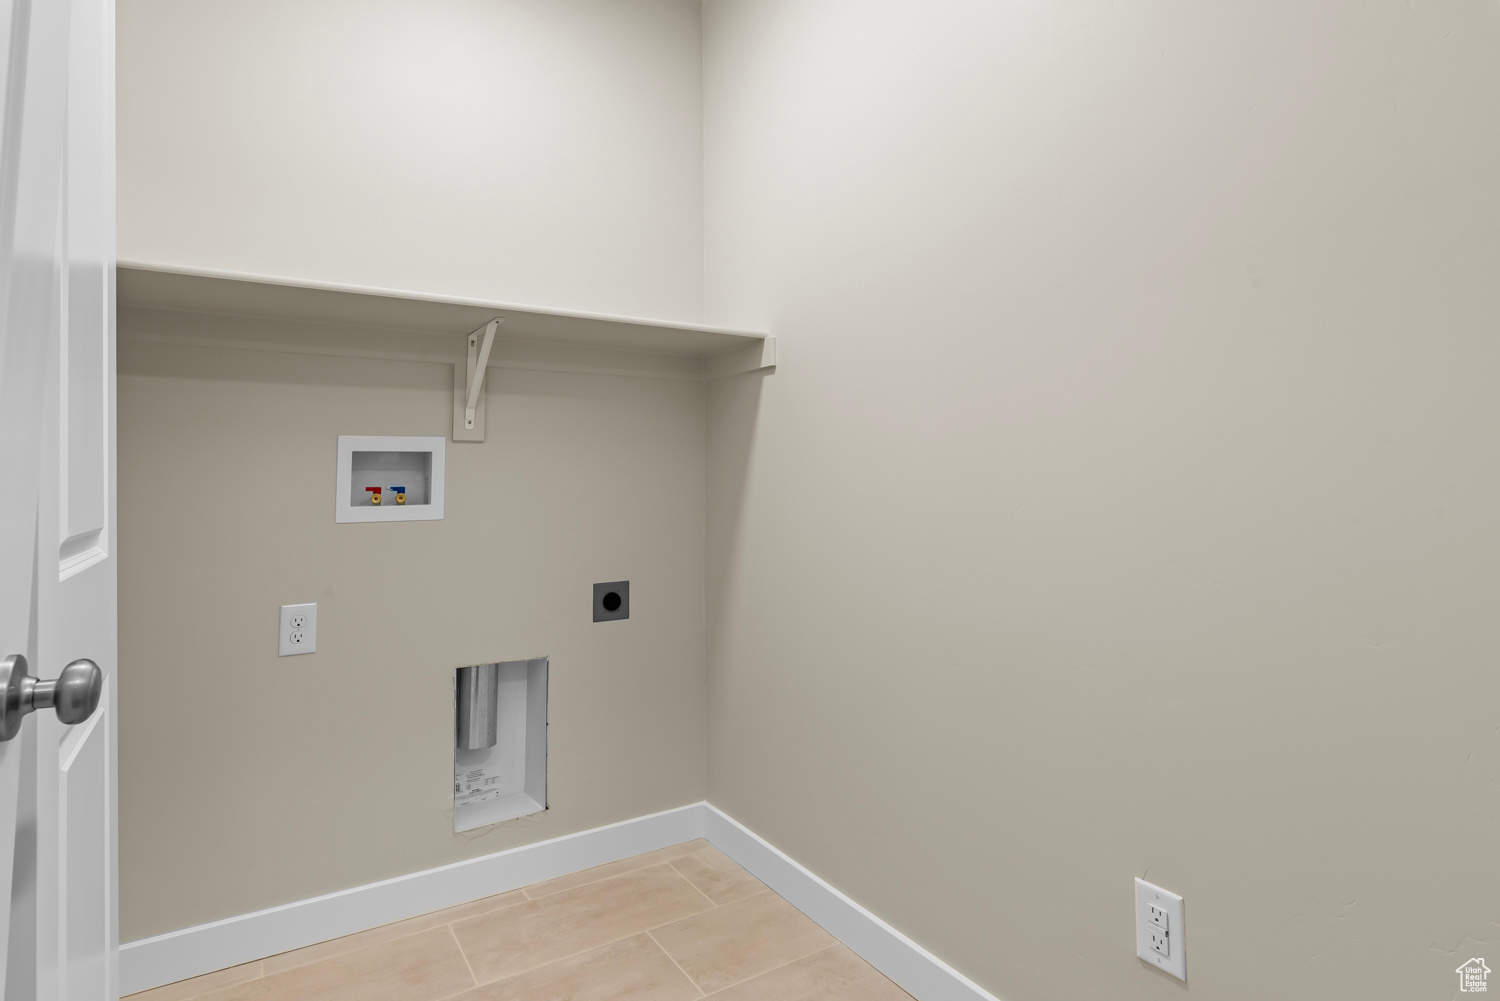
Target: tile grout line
{"points": [[575, 955], [374, 945], [260, 965], [701, 913], [673, 960], [601, 945], [615, 941], [461, 954], [527, 898], [525, 889], [767, 973], [711, 901], [701, 991]]}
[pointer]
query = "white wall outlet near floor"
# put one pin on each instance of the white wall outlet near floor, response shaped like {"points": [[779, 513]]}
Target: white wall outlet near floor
{"points": [[299, 629], [1159, 938]]}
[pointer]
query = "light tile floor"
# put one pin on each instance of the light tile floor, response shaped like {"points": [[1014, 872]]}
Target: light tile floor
{"points": [[673, 925]]}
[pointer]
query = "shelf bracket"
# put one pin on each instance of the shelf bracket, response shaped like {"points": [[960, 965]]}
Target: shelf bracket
{"points": [[468, 383], [756, 356]]}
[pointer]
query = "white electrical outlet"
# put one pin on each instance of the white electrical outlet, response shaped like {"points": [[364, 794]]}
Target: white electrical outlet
{"points": [[1158, 929], [299, 629]]}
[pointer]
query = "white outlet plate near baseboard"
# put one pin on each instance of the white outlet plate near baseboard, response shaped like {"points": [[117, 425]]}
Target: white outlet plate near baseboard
{"points": [[1147, 895]]}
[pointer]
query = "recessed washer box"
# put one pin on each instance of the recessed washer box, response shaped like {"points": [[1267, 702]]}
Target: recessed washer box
{"points": [[413, 468], [507, 779]]}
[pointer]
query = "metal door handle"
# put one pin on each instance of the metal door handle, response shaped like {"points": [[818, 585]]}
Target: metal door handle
{"points": [[75, 693]]}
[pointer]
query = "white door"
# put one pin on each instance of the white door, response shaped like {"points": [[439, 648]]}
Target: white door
{"points": [[57, 500]]}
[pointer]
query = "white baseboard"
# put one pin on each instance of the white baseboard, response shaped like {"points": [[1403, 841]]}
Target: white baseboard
{"points": [[192, 952], [195, 951], [913, 968]]}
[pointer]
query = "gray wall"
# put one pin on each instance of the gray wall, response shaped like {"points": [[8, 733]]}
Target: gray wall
{"points": [[248, 779], [1125, 504], [540, 151], [524, 151]]}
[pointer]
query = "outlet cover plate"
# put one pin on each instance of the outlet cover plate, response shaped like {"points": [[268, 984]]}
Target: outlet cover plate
{"points": [[1151, 903], [613, 592], [299, 629]]}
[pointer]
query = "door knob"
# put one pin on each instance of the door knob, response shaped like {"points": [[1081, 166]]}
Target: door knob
{"points": [[75, 693]]}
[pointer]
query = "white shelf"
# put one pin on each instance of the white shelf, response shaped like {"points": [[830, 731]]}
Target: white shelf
{"points": [[388, 323]]}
